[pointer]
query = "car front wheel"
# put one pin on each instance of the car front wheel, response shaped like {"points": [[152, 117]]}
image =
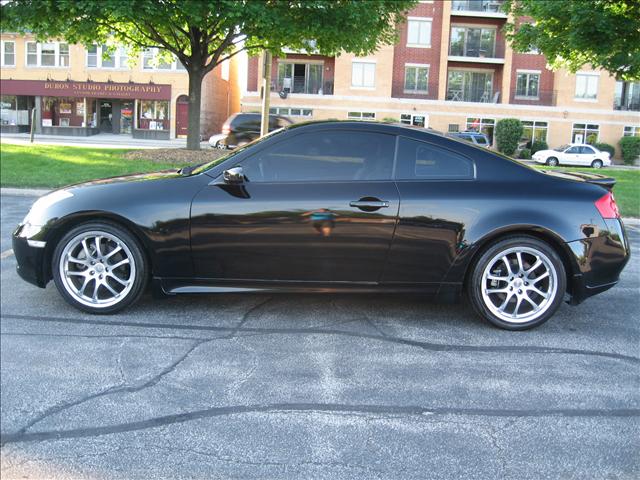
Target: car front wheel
{"points": [[596, 164], [99, 267], [518, 283], [552, 162]]}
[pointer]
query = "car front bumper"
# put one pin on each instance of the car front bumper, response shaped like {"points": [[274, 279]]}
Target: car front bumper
{"points": [[29, 250], [599, 259]]}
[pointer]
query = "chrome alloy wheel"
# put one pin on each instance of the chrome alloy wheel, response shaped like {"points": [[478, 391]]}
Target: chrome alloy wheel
{"points": [[519, 284], [97, 269]]}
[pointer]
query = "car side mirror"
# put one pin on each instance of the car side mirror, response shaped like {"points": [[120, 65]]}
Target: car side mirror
{"points": [[233, 175]]}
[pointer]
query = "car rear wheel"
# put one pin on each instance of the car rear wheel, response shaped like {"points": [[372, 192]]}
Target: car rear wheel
{"points": [[99, 267], [518, 283], [596, 164], [552, 162]]}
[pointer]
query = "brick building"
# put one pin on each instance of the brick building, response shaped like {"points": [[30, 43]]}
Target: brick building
{"points": [[452, 70]]}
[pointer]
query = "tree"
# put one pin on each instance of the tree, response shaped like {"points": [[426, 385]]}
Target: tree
{"points": [[573, 33], [204, 33], [508, 133]]}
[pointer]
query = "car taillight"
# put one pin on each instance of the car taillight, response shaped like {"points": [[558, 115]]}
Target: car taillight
{"points": [[607, 207], [226, 129]]}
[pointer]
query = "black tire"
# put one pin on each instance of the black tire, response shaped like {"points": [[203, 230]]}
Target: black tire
{"points": [[553, 162], [596, 163], [476, 282], [129, 248]]}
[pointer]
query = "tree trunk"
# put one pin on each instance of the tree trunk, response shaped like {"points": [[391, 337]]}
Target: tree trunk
{"points": [[195, 100]]}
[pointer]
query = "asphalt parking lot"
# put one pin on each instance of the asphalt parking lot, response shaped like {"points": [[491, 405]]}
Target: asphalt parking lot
{"points": [[314, 386]]}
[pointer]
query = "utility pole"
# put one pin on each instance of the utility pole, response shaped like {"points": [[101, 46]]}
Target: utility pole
{"points": [[266, 92]]}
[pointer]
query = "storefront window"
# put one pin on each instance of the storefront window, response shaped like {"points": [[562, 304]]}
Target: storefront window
{"points": [[481, 125], [14, 110], [153, 114], [534, 131], [583, 133], [63, 112]]}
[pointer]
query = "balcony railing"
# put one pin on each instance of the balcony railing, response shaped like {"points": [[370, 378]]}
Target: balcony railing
{"points": [[475, 95], [630, 104], [302, 86], [493, 7], [545, 98]]}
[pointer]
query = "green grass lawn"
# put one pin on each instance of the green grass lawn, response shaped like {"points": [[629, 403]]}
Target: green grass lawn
{"points": [[55, 166], [51, 166], [626, 191]]}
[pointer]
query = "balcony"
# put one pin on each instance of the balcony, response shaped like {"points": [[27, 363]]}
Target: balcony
{"points": [[301, 86], [478, 8], [477, 45]]}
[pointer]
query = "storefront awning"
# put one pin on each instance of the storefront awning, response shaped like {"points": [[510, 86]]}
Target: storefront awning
{"points": [[142, 91]]}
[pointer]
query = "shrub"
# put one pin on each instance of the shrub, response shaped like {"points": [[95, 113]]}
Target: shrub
{"points": [[538, 145], [525, 154], [630, 148], [508, 133], [605, 147], [390, 120]]}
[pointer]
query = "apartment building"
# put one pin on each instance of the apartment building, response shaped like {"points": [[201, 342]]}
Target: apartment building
{"points": [[452, 70], [86, 91]]}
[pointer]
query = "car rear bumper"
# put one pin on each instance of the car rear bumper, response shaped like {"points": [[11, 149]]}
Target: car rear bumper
{"points": [[30, 258], [599, 261]]}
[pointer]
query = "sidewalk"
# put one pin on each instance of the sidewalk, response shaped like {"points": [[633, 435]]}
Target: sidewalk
{"points": [[102, 140]]}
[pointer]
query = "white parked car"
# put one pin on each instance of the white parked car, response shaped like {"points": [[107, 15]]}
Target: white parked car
{"points": [[573, 154], [217, 141]]}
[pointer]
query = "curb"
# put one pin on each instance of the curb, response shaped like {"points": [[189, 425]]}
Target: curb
{"points": [[24, 192], [36, 192]]}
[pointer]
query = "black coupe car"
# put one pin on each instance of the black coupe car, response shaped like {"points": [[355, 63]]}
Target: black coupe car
{"points": [[335, 206]]}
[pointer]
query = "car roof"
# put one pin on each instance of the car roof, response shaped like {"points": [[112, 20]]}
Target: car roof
{"points": [[361, 124]]}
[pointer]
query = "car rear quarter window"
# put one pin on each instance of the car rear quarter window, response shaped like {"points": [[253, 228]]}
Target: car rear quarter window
{"points": [[587, 150], [421, 160], [324, 156]]}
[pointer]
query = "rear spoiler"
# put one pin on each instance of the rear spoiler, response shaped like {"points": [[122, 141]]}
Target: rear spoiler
{"points": [[606, 182]]}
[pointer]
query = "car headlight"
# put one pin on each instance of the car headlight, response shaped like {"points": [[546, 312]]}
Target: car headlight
{"points": [[45, 202]]}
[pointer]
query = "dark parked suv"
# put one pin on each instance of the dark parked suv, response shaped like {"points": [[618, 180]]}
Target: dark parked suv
{"points": [[242, 128], [476, 138]]}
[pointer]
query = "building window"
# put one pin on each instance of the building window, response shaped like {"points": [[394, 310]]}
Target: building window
{"points": [[586, 86], [632, 131], [482, 125], [419, 32], [416, 78], [14, 110], [63, 112], [52, 54], [300, 77], [534, 131], [361, 116], [8, 52], [153, 114], [417, 120], [363, 74], [291, 111], [454, 128], [151, 61], [585, 133], [627, 96], [472, 42], [470, 86], [527, 84], [101, 57]]}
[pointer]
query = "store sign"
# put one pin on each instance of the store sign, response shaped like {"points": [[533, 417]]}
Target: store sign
{"points": [[142, 91]]}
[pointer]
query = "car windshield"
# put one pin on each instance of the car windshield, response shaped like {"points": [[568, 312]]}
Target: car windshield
{"points": [[562, 148], [204, 167]]}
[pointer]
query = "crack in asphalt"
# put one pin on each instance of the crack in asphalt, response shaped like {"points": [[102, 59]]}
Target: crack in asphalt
{"points": [[436, 347], [118, 388], [246, 316], [22, 436]]}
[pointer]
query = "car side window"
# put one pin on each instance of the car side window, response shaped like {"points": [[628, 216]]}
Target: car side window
{"points": [[481, 140], [324, 156], [587, 150], [573, 150], [420, 160]]}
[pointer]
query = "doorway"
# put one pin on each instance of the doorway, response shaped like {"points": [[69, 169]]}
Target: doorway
{"points": [[182, 116], [106, 116]]}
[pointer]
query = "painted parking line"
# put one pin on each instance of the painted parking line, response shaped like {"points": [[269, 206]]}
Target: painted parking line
{"points": [[6, 254]]}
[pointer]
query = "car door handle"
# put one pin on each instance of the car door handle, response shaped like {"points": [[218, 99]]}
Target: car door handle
{"points": [[369, 205]]}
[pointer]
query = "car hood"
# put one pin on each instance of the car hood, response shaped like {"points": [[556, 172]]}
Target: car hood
{"points": [[135, 177]]}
